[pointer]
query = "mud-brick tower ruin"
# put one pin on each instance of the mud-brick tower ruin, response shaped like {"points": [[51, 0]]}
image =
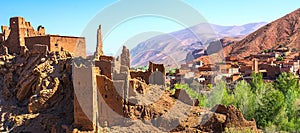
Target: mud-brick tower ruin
{"points": [[107, 83]]}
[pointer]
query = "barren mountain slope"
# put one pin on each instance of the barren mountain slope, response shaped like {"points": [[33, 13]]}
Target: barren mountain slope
{"points": [[284, 31]]}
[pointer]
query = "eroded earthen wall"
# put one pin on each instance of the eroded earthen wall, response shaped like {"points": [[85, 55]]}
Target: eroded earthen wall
{"points": [[21, 33], [144, 76], [19, 29], [31, 41], [1, 38], [85, 97], [105, 67], [75, 45], [110, 101], [154, 75]]}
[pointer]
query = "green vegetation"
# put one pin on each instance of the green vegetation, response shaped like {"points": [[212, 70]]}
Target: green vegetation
{"points": [[279, 58], [266, 51], [143, 68], [171, 71], [210, 87], [192, 93], [275, 106]]}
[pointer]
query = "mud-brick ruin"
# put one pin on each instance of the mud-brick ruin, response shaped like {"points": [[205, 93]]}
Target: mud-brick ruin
{"points": [[103, 87], [47, 85], [21, 36]]}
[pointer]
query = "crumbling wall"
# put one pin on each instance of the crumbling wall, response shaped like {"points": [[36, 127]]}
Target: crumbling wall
{"points": [[125, 57], [123, 84], [110, 102], [75, 45], [143, 76], [19, 29], [3, 50], [31, 41], [137, 86], [156, 67], [85, 97], [2, 39], [21, 33], [105, 65], [5, 31], [39, 49], [156, 74], [41, 30]]}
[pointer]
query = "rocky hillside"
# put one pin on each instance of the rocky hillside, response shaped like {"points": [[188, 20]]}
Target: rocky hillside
{"points": [[213, 47], [284, 31], [173, 48], [36, 93]]}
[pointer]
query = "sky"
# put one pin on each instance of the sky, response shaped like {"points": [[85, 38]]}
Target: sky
{"points": [[74, 17]]}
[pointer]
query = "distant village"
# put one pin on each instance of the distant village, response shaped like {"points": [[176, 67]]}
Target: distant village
{"points": [[270, 63]]}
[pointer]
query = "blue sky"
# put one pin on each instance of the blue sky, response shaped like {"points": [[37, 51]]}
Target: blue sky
{"points": [[71, 17]]}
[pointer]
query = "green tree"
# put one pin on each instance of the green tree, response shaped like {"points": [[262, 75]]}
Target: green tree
{"points": [[219, 95], [257, 84], [271, 105], [286, 82], [244, 99], [277, 106]]}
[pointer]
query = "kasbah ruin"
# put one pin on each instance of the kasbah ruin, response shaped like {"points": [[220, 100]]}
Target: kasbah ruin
{"points": [[50, 80]]}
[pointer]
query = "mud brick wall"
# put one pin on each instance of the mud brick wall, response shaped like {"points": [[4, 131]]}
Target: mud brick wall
{"points": [[110, 101], [137, 86], [154, 75], [19, 30], [85, 97], [140, 75], [75, 45], [1, 38], [31, 41], [105, 67], [272, 71], [5, 31]]}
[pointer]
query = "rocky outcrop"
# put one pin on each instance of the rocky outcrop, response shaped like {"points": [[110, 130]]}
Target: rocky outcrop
{"points": [[37, 91], [217, 120]]}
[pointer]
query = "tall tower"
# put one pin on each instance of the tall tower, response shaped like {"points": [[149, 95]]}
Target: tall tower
{"points": [[255, 65], [99, 50]]}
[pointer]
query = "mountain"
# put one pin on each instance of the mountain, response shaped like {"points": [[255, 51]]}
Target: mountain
{"points": [[173, 48], [284, 31]]}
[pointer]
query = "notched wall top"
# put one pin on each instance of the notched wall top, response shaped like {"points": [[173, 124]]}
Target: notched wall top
{"points": [[21, 33]]}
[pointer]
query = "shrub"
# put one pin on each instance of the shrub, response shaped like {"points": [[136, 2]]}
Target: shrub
{"points": [[279, 58]]}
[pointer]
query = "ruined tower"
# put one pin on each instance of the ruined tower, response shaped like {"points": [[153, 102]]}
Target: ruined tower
{"points": [[13, 37], [125, 57], [99, 50]]}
